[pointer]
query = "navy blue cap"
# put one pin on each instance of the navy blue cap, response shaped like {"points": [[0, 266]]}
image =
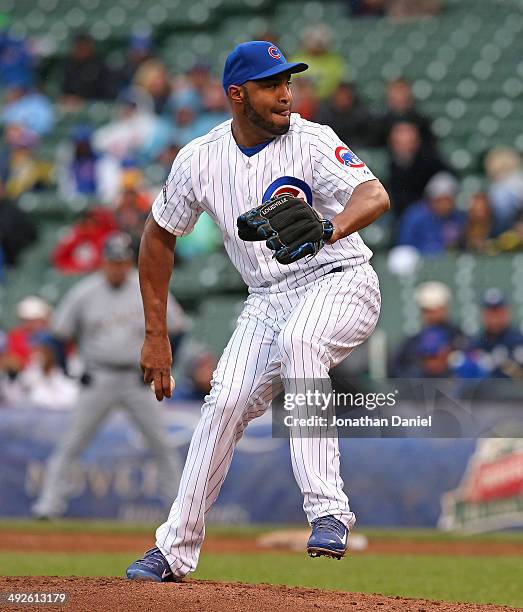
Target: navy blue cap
{"points": [[432, 341], [494, 298], [255, 60]]}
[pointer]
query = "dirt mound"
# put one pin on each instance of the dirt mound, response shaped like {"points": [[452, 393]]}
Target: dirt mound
{"points": [[117, 594]]}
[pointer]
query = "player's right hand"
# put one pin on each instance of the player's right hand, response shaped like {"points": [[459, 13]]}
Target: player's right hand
{"points": [[156, 362]]}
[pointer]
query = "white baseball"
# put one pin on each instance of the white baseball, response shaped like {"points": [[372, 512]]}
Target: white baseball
{"points": [[173, 384]]}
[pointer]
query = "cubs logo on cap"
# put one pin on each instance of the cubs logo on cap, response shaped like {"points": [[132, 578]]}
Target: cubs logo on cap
{"points": [[274, 52], [348, 158]]}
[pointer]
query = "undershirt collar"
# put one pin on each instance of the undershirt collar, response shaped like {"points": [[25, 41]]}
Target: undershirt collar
{"points": [[250, 151]]}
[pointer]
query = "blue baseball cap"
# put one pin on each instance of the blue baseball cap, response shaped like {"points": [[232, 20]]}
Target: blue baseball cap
{"points": [[432, 341], [255, 60], [494, 298]]}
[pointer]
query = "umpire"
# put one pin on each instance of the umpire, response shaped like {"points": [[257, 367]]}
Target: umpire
{"points": [[104, 314]]}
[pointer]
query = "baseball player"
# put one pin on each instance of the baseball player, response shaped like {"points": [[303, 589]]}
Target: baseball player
{"points": [[103, 312], [289, 198]]}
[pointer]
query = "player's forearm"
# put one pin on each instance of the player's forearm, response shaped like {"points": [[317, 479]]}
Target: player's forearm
{"points": [[155, 266], [367, 203]]}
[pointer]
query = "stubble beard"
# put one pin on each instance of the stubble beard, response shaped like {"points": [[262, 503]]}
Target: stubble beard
{"points": [[254, 117]]}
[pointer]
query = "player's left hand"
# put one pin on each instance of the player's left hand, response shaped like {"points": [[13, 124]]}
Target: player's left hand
{"points": [[290, 227]]}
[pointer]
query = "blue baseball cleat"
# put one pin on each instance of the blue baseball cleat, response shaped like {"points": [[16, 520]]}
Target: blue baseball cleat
{"points": [[153, 567], [329, 538]]}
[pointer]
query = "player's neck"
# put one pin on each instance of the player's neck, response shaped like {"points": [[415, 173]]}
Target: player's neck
{"points": [[249, 136]]}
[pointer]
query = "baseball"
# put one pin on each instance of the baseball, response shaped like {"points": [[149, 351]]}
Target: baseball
{"points": [[173, 384]]}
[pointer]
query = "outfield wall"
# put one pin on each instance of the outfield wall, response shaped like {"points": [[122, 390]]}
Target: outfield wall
{"points": [[390, 482]]}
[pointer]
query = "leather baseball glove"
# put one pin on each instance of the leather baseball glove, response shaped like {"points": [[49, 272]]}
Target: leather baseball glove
{"points": [[290, 227]]}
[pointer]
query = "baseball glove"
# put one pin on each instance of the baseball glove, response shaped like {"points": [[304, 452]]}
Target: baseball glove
{"points": [[290, 227]]}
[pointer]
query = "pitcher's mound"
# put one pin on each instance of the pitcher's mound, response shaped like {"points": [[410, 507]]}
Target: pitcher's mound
{"points": [[118, 594]]}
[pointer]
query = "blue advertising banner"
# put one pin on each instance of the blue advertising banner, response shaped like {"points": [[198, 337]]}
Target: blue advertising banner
{"points": [[389, 481]]}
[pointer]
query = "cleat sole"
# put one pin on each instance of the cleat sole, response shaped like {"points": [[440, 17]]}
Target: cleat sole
{"points": [[324, 552]]}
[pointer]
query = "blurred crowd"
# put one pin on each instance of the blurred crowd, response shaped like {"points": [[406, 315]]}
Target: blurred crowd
{"points": [[155, 113], [440, 349], [39, 365], [52, 354], [107, 169]]}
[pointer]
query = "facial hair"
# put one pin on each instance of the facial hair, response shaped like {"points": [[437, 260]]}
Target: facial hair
{"points": [[254, 117]]}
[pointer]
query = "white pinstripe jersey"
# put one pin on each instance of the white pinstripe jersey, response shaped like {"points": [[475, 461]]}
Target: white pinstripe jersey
{"points": [[212, 174]]}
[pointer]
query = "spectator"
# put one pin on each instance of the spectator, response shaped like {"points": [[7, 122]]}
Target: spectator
{"points": [[478, 228], [139, 51], [197, 80], [133, 207], [433, 301], [186, 107], [23, 170], [326, 68], [412, 9], [86, 75], [80, 250], [505, 171], [401, 109], [33, 318], [10, 392], [196, 383], [152, 77], [215, 108], [480, 234], [79, 166], [17, 229], [44, 382], [305, 101], [135, 131], [348, 117], [167, 156], [25, 106], [433, 352], [16, 63], [499, 345], [434, 225], [367, 8], [411, 166], [436, 359]]}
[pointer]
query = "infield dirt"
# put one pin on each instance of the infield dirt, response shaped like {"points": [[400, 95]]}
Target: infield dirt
{"points": [[93, 594], [118, 594]]}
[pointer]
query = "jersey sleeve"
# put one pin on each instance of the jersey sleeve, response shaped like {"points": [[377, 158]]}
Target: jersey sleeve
{"points": [[337, 169], [175, 208], [65, 322]]}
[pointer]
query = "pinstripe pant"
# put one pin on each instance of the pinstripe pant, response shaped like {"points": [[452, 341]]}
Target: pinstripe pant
{"points": [[298, 334]]}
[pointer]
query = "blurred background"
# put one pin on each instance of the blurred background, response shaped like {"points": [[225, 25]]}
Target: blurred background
{"points": [[97, 100]]}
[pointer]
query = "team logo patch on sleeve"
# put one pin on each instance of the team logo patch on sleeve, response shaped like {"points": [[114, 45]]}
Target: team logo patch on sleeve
{"points": [[346, 157]]}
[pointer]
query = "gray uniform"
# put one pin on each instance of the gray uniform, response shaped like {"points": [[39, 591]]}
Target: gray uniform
{"points": [[108, 324]]}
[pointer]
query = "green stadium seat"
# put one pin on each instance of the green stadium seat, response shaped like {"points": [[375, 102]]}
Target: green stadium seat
{"points": [[216, 321]]}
